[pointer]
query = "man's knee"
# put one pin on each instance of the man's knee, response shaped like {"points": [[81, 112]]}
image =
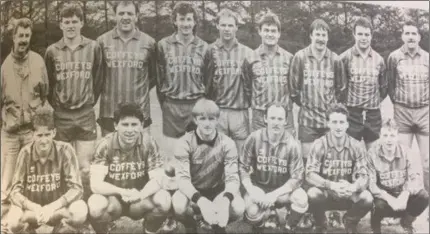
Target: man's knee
{"points": [[315, 195], [78, 212], [180, 203], [299, 201], [366, 198], [253, 213], [237, 207], [162, 200], [14, 221], [379, 204], [97, 205], [423, 197]]}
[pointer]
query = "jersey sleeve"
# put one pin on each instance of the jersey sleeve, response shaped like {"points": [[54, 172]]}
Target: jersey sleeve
{"points": [[152, 65], [155, 160], [231, 167], [247, 157], [382, 79], [360, 168], [296, 166], [295, 78], [161, 69], [373, 174], [247, 77], [391, 74], [182, 155], [414, 178], [50, 68], [18, 182], [72, 177], [98, 71], [99, 165], [340, 80], [315, 156]]}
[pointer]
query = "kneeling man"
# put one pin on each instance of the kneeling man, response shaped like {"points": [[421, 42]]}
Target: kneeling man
{"points": [[395, 180], [124, 176], [46, 187], [277, 172], [207, 174], [336, 168]]}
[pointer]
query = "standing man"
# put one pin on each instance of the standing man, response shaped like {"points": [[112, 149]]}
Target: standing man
{"points": [[266, 74], [207, 174], [408, 87], [274, 157], [226, 85], [336, 170], [75, 71], [24, 89], [180, 80], [47, 188], [366, 84], [129, 57], [124, 175], [395, 180]]}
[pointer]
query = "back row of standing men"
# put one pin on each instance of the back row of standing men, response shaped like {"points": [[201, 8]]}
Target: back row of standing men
{"points": [[123, 64]]}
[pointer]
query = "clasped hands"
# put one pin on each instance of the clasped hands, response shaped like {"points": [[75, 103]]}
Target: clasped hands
{"points": [[215, 213], [343, 189]]}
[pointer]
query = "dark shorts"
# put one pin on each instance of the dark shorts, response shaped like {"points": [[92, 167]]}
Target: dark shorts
{"points": [[176, 116], [310, 134], [212, 193], [75, 125], [108, 124], [234, 123], [364, 126], [412, 120]]}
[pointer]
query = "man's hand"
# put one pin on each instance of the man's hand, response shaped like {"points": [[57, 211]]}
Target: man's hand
{"points": [[208, 210], [346, 189], [339, 189], [223, 211], [402, 201], [45, 214], [34, 207], [257, 195], [270, 199], [132, 196]]}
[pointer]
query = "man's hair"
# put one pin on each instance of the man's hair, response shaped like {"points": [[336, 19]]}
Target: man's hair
{"points": [[23, 23], [205, 107], [337, 108], [225, 12], [276, 104], [183, 8], [127, 110], [271, 19], [363, 22], [43, 117], [117, 3], [389, 123], [319, 24], [411, 23], [71, 10]]}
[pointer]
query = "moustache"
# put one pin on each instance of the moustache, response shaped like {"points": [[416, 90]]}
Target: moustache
{"points": [[23, 43]]}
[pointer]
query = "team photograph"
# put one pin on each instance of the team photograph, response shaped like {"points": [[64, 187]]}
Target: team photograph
{"points": [[214, 116]]}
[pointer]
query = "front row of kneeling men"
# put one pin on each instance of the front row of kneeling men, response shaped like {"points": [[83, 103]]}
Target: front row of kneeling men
{"points": [[127, 179]]}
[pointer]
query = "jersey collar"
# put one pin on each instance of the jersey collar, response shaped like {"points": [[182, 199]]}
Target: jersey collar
{"points": [[330, 143], [220, 45], [265, 136], [384, 156], [62, 45], [115, 34], [51, 155], [309, 52], [262, 52], [406, 52], [210, 143], [357, 53]]}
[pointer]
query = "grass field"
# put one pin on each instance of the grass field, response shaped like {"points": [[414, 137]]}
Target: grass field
{"points": [[126, 225]]}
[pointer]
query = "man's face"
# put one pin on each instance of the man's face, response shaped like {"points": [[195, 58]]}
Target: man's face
{"points": [[21, 39], [269, 34], [206, 124], [319, 39], [71, 27], [389, 138], [227, 28], [126, 17], [275, 119], [411, 36], [128, 129], [185, 23], [43, 138], [363, 37], [338, 124]]}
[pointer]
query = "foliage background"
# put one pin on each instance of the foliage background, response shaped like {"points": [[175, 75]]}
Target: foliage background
{"points": [[154, 19]]}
